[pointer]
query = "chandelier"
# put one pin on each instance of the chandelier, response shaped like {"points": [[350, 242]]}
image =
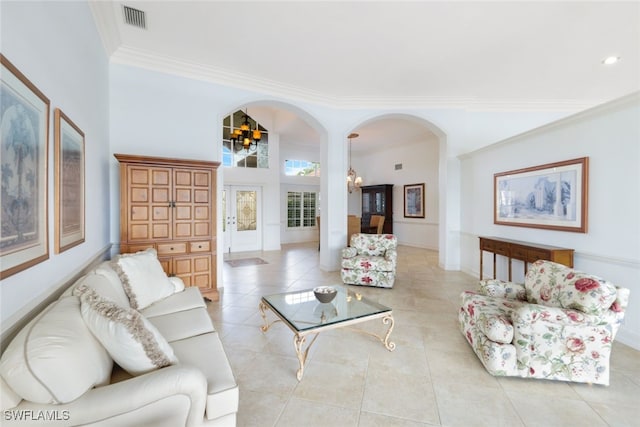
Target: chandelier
{"points": [[245, 135], [354, 181]]}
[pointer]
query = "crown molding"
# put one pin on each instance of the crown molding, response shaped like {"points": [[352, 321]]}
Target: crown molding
{"points": [[105, 20], [134, 57], [580, 116]]}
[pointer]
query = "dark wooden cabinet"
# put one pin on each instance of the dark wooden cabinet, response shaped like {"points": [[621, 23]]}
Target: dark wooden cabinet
{"points": [[378, 200], [523, 251]]}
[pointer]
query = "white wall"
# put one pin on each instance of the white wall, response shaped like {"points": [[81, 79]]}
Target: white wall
{"points": [[609, 135], [58, 48]]}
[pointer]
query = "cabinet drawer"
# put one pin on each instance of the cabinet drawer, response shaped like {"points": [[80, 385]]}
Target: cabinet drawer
{"points": [[487, 245], [519, 253], [501, 248], [534, 255], [172, 248], [200, 246], [135, 248]]}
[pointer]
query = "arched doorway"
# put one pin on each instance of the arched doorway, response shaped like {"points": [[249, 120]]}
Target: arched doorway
{"points": [[291, 132], [404, 150]]}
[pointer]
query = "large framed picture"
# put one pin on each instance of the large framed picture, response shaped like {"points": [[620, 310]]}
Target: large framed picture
{"points": [[69, 182], [24, 139], [414, 201], [551, 196]]}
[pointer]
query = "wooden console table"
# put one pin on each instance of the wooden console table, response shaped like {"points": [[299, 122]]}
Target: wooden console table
{"points": [[523, 251]]}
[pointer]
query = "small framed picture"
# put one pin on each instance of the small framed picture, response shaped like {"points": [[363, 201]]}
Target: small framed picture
{"points": [[69, 182], [414, 201]]}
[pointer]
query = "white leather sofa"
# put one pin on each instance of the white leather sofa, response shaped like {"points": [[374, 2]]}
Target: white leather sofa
{"points": [[60, 369]]}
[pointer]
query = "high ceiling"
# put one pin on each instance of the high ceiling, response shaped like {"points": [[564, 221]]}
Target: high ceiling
{"points": [[476, 54]]}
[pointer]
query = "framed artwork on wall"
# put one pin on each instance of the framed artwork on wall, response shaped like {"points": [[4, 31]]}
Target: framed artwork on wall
{"points": [[551, 196], [69, 182], [414, 201], [24, 139]]}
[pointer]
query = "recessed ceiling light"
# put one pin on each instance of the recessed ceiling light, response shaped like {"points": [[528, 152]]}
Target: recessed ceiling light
{"points": [[610, 60]]}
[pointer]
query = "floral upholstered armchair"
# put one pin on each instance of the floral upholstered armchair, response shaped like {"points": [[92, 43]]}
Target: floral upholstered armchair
{"points": [[559, 325], [370, 260]]}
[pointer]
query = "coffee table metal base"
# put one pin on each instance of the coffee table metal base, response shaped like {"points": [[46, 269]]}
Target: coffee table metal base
{"points": [[300, 337]]}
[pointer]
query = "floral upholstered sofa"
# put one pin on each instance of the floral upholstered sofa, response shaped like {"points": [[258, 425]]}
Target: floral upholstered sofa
{"points": [[370, 260], [559, 325]]}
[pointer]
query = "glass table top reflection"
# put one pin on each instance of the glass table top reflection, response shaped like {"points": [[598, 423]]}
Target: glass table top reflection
{"points": [[304, 313]]}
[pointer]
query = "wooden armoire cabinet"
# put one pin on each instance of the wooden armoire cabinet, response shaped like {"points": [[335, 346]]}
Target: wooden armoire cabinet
{"points": [[169, 204], [378, 200]]}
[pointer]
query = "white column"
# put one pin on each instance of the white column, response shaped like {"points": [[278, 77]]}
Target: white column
{"points": [[333, 204]]}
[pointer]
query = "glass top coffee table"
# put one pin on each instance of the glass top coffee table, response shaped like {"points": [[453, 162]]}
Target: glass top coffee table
{"points": [[305, 315]]}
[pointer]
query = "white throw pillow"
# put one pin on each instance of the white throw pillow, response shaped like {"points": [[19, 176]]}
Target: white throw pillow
{"points": [[103, 286], [133, 342], [143, 279], [55, 358]]}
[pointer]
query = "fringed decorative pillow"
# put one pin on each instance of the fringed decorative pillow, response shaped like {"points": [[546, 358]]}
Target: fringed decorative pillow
{"points": [[132, 342]]}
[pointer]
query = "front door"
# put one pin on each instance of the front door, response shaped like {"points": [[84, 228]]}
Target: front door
{"points": [[243, 218]]}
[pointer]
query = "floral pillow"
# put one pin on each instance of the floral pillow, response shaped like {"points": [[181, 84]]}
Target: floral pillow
{"points": [[589, 294], [555, 285]]}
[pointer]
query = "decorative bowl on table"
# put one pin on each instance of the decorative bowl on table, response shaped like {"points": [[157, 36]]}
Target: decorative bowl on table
{"points": [[325, 294]]}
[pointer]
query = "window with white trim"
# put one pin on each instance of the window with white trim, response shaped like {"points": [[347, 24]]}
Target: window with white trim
{"points": [[234, 154], [301, 168], [301, 209]]}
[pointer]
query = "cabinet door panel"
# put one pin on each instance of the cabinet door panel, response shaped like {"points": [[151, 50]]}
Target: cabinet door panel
{"points": [[161, 213], [201, 229], [201, 196], [139, 195], [160, 177], [160, 231], [201, 213], [202, 271], [139, 176], [183, 230], [183, 195], [140, 213], [183, 177], [202, 280], [201, 179], [138, 232], [182, 267], [160, 195], [183, 213]]}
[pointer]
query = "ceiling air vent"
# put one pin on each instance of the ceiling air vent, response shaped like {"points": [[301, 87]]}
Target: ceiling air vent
{"points": [[134, 17]]}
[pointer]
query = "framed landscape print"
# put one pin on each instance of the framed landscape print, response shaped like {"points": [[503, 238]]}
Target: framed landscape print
{"points": [[414, 201], [69, 182], [24, 137], [551, 196]]}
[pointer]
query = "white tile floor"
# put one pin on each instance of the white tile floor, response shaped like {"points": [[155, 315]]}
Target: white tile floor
{"points": [[433, 378]]}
